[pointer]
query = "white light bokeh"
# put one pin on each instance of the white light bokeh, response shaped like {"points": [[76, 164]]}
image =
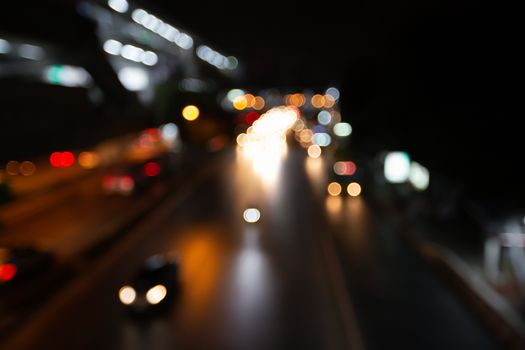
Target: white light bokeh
{"points": [[264, 145], [118, 5], [324, 117], [322, 139], [169, 133], [334, 92], [314, 151], [134, 78], [216, 59], [342, 129], [137, 15], [131, 52], [149, 58], [67, 76], [251, 215], [164, 30], [112, 47], [397, 167], [419, 176], [127, 295], [234, 93], [156, 294]]}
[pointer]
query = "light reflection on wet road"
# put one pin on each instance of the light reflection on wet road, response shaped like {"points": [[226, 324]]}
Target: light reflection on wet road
{"points": [[247, 285]]}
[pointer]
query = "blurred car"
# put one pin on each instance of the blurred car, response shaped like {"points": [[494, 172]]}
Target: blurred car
{"points": [[115, 183], [154, 286], [343, 188], [126, 179], [346, 178], [19, 263]]}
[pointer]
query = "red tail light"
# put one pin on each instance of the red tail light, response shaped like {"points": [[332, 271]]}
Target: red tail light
{"points": [[62, 159], [7, 272], [55, 159], [67, 158], [151, 169], [126, 183], [109, 182]]}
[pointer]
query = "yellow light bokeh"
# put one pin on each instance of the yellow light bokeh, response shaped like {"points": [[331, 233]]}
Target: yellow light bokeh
{"points": [[318, 101], [190, 112], [353, 189], [334, 189], [314, 151], [297, 100], [250, 100], [12, 167], [240, 103], [259, 103], [88, 160], [329, 101], [27, 168], [306, 135]]}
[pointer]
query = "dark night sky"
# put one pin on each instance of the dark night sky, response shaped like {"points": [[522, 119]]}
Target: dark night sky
{"points": [[431, 77]]}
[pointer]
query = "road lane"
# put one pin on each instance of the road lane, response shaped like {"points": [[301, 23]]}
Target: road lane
{"points": [[76, 231], [257, 286], [72, 226], [86, 215], [398, 298]]}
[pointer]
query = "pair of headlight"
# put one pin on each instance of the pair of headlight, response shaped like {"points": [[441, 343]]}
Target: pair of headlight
{"points": [[154, 295]]}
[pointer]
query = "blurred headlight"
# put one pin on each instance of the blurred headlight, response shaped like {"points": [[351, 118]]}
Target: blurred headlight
{"points": [[334, 189], [156, 294], [127, 295], [251, 215]]}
